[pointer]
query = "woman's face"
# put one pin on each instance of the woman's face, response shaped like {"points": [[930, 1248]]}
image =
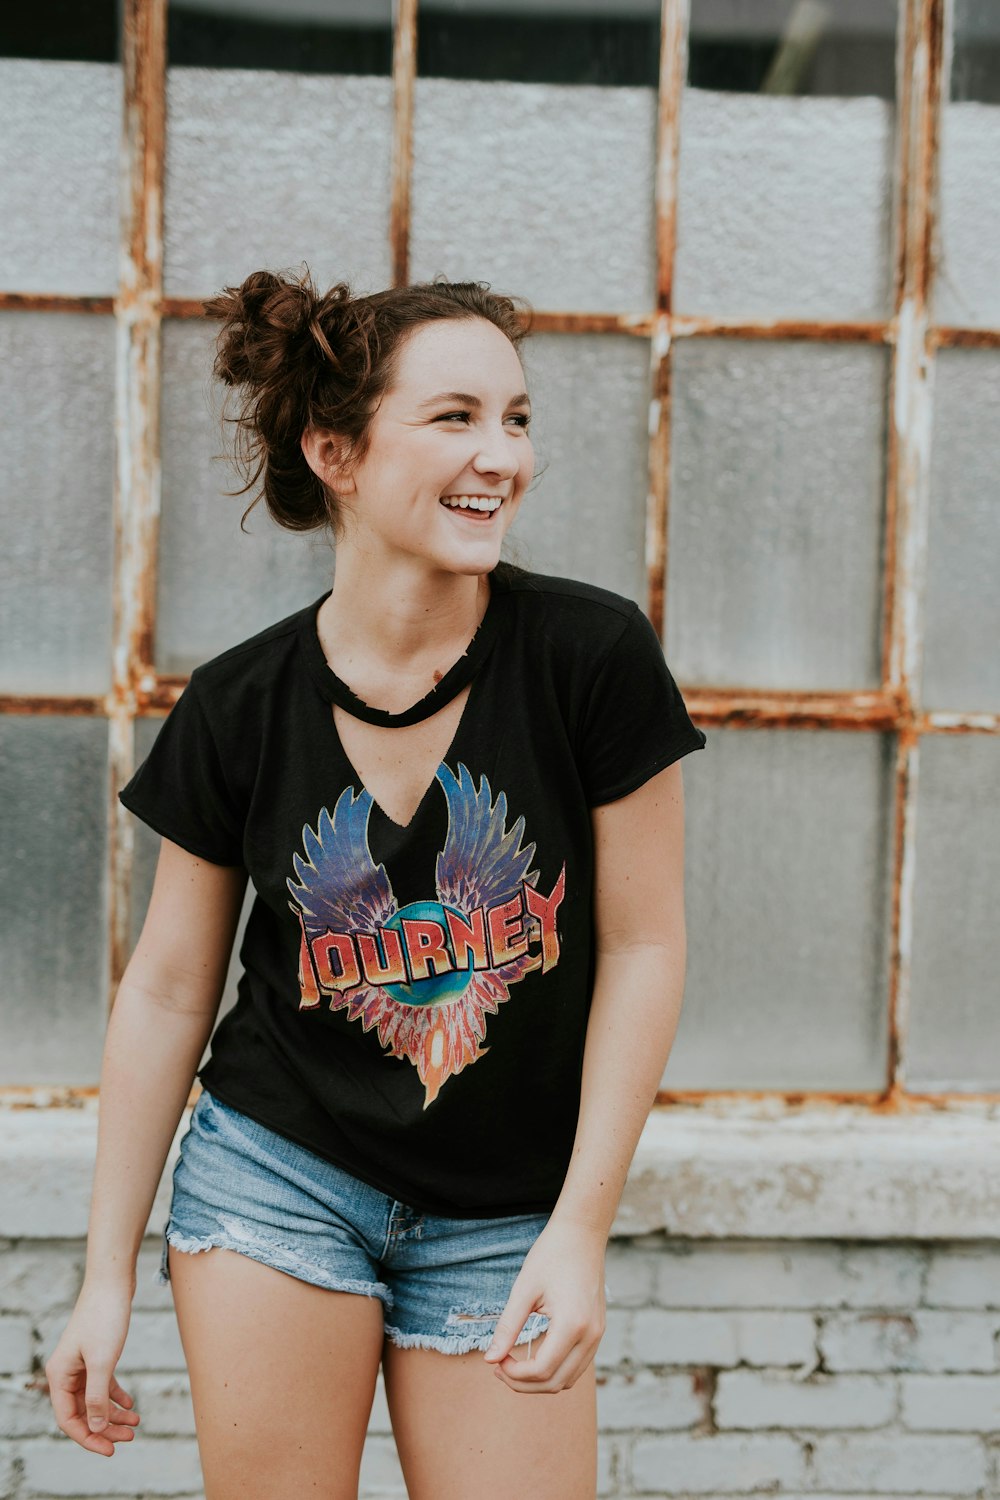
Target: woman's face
{"points": [[454, 424]]}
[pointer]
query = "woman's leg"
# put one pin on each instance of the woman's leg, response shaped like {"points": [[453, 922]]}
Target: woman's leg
{"points": [[282, 1377], [460, 1431]]}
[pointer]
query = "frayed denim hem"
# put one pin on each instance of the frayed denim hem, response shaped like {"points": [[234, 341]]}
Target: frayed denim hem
{"points": [[276, 1255], [464, 1343]]}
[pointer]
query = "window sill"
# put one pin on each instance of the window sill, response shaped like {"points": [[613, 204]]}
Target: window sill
{"points": [[701, 1173]]}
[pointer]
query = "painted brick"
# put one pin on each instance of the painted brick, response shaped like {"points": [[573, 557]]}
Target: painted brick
{"points": [[153, 1342], [684, 1465], [164, 1404], [16, 1344], [963, 1276], [635, 1401], [776, 1338], [630, 1273], [25, 1408], [379, 1421], [897, 1464], [39, 1275], [767, 1398], [922, 1339], [615, 1345], [786, 1274], [145, 1466], [381, 1474], [724, 1339], [149, 1296], [609, 1465], [682, 1338], [951, 1403]]}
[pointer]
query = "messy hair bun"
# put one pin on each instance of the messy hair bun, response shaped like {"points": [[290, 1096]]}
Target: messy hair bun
{"points": [[299, 359]]}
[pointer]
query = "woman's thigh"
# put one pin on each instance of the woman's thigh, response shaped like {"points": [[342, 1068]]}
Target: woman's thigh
{"points": [[282, 1376], [461, 1431]]}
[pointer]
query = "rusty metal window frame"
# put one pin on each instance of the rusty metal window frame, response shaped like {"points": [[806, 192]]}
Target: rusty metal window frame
{"points": [[923, 48]]}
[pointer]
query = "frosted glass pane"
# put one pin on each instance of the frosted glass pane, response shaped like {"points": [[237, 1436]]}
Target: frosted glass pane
{"points": [[543, 190], [776, 514], [56, 493], [584, 516], [954, 1040], [788, 870], [53, 916], [966, 287], [217, 584], [967, 283], [147, 852], [60, 124], [784, 207], [265, 170], [962, 601]]}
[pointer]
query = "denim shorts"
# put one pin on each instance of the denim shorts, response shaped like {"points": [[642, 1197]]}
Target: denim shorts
{"points": [[443, 1282]]}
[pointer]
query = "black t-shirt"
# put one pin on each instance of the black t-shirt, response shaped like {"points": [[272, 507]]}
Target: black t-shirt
{"points": [[413, 1001]]}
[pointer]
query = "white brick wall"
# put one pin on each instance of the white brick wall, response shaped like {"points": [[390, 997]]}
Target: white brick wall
{"points": [[797, 1369]]}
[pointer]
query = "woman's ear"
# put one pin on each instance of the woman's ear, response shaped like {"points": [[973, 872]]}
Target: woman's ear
{"points": [[324, 453]]}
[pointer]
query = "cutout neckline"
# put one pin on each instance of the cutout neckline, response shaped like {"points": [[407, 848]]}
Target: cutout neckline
{"points": [[333, 689], [362, 786]]}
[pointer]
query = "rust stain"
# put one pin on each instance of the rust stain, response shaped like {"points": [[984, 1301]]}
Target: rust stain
{"points": [[404, 67], [138, 311]]}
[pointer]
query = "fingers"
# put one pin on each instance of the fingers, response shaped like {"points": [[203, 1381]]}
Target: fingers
{"points": [[74, 1413], [555, 1366], [508, 1326]]}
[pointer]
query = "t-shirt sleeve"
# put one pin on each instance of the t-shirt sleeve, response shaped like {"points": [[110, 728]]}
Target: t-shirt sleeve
{"points": [[182, 789], [636, 722]]}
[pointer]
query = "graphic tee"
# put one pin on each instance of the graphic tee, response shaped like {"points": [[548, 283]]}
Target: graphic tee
{"points": [[413, 1001]]}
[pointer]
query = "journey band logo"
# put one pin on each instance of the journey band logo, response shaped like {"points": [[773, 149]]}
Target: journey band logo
{"points": [[426, 975]]}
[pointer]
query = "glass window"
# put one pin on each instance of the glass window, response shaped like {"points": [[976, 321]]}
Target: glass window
{"points": [[786, 160]]}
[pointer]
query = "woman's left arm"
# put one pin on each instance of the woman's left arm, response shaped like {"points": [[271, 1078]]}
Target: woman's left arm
{"points": [[641, 955]]}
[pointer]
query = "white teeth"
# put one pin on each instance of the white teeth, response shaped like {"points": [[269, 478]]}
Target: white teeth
{"points": [[471, 502]]}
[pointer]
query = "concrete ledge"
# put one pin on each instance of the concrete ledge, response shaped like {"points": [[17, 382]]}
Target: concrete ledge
{"points": [[704, 1173]]}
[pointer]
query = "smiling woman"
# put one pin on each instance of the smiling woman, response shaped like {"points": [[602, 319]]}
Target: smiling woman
{"points": [[452, 782]]}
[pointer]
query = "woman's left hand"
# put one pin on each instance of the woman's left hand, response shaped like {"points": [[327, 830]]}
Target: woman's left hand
{"points": [[562, 1277]]}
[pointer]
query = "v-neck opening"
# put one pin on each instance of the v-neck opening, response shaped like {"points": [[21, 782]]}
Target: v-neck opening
{"points": [[359, 782], [335, 690]]}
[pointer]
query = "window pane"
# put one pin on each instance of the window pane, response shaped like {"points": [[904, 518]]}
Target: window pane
{"points": [[300, 36], [776, 514], [53, 790], [585, 515], [962, 608], [217, 584], [540, 41], [546, 192], [785, 202], [789, 844], [60, 124], [966, 289], [954, 1040], [265, 170], [56, 492]]}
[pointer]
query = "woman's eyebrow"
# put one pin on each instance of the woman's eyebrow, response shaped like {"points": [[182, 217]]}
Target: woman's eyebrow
{"points": [[522, 399]]}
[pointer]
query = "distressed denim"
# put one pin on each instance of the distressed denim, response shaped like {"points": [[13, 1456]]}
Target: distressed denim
{"points": [[443, 1282]]}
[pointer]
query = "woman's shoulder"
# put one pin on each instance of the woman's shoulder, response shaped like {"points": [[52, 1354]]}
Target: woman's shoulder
{"points": [[582, 616], [255, 659]]}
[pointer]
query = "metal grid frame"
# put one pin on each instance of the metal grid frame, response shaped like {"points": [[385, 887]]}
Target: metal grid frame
{"points": [[922, 70]]}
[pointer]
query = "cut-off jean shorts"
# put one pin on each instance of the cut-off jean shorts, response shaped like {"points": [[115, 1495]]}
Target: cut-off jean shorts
{"points": [[443, 1282]]}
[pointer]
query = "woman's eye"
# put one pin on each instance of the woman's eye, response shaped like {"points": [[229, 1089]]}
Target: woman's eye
{"points": [[522, 420]]}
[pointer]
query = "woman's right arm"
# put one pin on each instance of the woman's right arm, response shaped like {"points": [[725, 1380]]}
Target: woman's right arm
{"points": [[162, 1019]]}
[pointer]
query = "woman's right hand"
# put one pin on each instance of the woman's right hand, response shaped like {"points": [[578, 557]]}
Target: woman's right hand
{"points": [[81, 1371]]}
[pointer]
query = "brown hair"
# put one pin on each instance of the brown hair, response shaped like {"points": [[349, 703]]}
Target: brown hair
{"points": [[300, 359]]}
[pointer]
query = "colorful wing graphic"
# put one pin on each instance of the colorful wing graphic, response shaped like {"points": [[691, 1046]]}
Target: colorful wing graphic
{"points": [[427, 975]]}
